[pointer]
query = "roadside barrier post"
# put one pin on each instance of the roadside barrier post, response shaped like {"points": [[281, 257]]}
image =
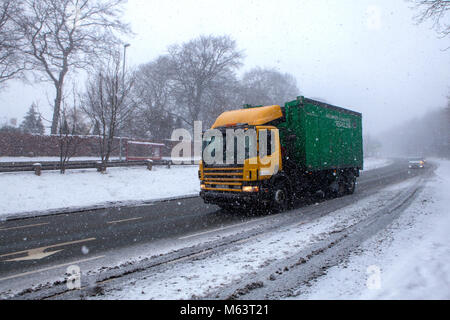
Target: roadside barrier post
{"points": [[37, 167], [149, 165], [101, 167]]}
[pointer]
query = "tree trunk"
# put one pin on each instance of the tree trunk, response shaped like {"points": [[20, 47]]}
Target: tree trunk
{"points": [[57, 109]]}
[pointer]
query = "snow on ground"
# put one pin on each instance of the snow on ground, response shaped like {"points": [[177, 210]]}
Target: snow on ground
{"points": [[196, 278], [409, 260], [83, 188], [375, 163], [43, 159], [26, 192]]}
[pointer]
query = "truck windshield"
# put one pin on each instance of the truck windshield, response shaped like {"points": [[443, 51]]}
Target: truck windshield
{"points": [[237, 158]]}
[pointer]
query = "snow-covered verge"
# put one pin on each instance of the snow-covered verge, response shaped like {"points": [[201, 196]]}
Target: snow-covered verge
{"points": [[408, 260], [26, 192]]}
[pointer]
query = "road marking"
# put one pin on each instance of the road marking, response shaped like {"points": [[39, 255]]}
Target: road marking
{"points": [[210, 231], [23, 227], [125, 220], [38, 253], [34, 254], [50, 268]]}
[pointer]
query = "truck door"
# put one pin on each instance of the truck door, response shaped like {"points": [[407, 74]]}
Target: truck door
{"points": [[269, 164]]}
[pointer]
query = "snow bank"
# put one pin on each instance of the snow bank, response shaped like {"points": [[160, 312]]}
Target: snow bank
{"points": [[26, 192], [411, 259]]}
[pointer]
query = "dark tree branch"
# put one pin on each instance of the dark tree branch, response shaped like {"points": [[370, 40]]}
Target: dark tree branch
{"points": [[62, 35], [108, 102], [11, 61], [436, 11]]}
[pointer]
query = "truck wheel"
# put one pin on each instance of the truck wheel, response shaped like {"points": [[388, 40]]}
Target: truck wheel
{"points": [[351, 184], [280, 198], [337, 188], [342, 186]]}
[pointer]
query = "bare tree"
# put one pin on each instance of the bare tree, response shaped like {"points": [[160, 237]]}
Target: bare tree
{"points": [[197, 64], [437, 11], [70, 127], [76, 119], [154, 117], [424, 136], [62, 35], [68, 142], [224, 93], [108, 102], [11, 61], [268, 86]]}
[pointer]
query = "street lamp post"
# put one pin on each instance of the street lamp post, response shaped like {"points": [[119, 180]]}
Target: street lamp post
{"points": [[125, 46]]}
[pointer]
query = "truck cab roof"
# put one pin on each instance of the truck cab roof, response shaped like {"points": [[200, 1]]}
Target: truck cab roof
{"points": [[250, 116]]}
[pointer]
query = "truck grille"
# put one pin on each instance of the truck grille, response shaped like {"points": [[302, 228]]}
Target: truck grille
{"points": [[224, 179]]}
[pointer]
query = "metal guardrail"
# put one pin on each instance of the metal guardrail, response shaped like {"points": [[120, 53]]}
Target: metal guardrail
{"points": [[56, 165]]}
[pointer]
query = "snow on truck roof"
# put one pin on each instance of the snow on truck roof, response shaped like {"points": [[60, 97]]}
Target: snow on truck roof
{"points": [[252, 116]]}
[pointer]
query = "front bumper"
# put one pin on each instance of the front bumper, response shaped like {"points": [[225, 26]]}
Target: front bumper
{"points": [[234, 198]]}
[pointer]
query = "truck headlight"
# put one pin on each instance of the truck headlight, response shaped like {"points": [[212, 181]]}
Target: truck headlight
{"points": [[203, 186], [250, 189]]}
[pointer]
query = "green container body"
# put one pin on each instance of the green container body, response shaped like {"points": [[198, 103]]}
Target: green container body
{"points": [[321, 136]]}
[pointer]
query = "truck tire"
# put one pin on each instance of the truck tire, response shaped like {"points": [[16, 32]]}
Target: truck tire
{"points": [[280, 197], [342, 186], [337, 188], [350, 184]]}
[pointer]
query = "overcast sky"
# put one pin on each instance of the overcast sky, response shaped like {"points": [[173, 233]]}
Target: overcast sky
{"points": [[365, 55]]}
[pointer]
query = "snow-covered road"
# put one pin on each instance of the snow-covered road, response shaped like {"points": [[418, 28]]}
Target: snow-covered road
{"points": [[202, 276]]}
